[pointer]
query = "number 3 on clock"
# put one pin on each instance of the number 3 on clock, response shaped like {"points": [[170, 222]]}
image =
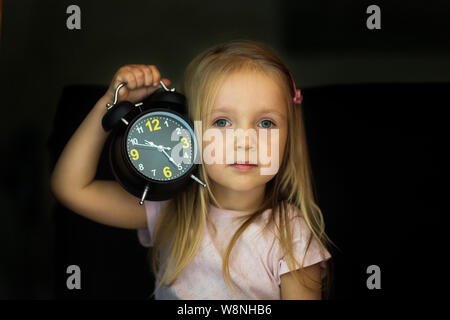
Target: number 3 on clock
{"points": [[185, 143]]}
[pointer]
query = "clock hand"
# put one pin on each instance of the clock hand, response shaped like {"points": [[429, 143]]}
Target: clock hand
{"points": [[151, 144], [171, 159], [142, 145], [161, 149]]}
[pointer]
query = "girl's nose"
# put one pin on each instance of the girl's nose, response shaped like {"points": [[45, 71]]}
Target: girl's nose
{"points": [[245, 146], [245, 139]]}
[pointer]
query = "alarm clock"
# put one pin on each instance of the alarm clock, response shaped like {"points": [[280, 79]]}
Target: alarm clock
{"points": [[153, 149]]}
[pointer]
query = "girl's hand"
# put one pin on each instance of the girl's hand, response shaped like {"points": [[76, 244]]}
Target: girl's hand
{"points": [[140, 79]]}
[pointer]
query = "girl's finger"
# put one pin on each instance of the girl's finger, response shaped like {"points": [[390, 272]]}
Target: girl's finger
{"points": [[166, 81], [130, 79], [140, 77], [148, 75], [156, 75]]}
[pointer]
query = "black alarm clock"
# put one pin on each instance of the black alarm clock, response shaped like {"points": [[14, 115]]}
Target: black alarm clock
{"points": [[153, 149]]}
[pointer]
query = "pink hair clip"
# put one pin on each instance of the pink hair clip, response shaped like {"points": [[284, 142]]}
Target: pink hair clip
{"points": [[298, 96], [298, 93]]}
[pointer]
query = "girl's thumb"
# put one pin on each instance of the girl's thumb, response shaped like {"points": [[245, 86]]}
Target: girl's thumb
{"points": [[166, 81]]}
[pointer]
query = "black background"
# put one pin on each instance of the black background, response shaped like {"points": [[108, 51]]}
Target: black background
{"points": [[374, 104]]}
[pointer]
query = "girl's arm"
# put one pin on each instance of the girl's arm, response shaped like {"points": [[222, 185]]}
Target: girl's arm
{"points": [[72, 180], [291, 290]]}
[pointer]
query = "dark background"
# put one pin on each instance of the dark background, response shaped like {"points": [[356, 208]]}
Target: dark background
{"points": [[374, 104]]}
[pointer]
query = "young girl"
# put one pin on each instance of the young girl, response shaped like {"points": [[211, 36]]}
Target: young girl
{"points": [[250, 234]]}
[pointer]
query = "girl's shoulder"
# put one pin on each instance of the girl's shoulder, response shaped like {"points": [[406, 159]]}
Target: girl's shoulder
{"points": [[285, 212], [292, 219]]}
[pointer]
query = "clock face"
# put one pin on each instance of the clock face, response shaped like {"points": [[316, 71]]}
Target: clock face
{"points": [[161, 145]]}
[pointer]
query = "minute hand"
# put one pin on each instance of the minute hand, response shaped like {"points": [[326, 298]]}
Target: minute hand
{"points": [[148, 146], [171, 159], [150, 143]]}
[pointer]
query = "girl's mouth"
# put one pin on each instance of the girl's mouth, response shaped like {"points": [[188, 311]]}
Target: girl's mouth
{"points": [[243, 166]]}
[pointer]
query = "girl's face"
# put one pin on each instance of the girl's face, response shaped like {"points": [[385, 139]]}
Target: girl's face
{"points": [[247, 123]]}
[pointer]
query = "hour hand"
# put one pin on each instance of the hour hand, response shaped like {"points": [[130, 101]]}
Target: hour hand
{"points": [[151, 144]]}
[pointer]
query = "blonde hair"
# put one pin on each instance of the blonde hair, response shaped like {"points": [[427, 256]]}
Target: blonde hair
{"points": [[180, 226]]}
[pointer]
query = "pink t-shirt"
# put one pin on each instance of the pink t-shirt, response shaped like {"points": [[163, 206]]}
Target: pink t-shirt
{"points": [[256, 261]]}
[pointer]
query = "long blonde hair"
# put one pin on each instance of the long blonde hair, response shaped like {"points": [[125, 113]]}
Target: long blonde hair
{"points": [[180, 226]]}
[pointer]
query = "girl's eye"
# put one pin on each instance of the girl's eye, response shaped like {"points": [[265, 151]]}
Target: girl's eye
{"points": [[221, 121], [268, 124]]}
